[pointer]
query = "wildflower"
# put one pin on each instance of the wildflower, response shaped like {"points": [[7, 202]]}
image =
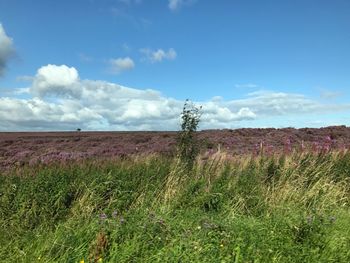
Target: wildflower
{"points": [[115, 214], [82, 261], [221, 245], [99, 260], [103, 216], [199, 227]]}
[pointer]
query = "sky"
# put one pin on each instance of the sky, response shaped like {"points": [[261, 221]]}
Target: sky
{"points": [[130, 64]]}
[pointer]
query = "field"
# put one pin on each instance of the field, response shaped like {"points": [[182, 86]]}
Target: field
{"points": [[18, 149], [125, 197]]}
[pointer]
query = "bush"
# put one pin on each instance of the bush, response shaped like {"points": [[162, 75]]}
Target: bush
{"points": [[188, 146]]}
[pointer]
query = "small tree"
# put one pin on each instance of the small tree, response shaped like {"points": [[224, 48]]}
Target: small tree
{"points": [[188, 146]]}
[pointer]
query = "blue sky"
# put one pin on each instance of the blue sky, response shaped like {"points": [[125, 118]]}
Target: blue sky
{"points": [[129, 64]]}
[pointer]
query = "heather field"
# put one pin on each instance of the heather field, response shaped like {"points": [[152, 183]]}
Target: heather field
{"points": [[174, 131], [271, 206], [30, 148]]}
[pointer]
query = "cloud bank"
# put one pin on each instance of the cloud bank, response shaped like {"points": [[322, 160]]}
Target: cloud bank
{"points": [[7, 49], [59, 100]]}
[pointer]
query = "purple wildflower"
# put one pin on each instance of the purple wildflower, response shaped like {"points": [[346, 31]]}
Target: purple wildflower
{"points": [[103, 216]]}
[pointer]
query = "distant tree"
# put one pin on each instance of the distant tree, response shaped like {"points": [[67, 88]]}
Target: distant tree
{"points": [[78, 130], [188, 145]]}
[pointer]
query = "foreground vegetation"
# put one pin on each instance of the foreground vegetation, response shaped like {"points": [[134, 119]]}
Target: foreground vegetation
{"points": [[153, 209]]}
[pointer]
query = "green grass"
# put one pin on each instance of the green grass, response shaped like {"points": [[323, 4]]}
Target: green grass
{"points": [[266, 209]]}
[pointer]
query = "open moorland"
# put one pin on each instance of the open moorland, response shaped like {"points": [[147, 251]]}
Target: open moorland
{"points": [[17, 149], [252, 195]]}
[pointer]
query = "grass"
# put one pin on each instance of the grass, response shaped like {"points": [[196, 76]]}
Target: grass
{"points": [[151, 209]]}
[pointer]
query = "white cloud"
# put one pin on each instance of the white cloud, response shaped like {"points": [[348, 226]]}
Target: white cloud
{"points": [[177, 4], [174, 4], [159, 55], [7, 49], [62, 101], [37, 114], [52, 80], [121, 64]]}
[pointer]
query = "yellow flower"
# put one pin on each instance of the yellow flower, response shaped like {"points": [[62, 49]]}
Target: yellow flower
{"points": [[82, 261], [221, 245], [99, 260]]}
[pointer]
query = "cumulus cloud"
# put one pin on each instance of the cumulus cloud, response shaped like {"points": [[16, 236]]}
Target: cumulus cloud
{"points": [[159, 55], [6, 49], [52, 80], [37, 114], [268, 103], [101, 105], [121, 64]]}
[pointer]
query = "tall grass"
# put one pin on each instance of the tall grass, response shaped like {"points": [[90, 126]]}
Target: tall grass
{"points": [[292, 208]]}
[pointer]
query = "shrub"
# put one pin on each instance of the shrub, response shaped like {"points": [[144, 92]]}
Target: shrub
{"points": [[188, 146]]}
